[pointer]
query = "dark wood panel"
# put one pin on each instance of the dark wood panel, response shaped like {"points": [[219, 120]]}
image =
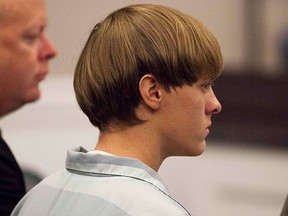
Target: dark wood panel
{"points": [[255, 110]]}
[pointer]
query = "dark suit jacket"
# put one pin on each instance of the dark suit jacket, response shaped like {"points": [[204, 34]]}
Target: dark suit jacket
{"points": [[12, 187]]}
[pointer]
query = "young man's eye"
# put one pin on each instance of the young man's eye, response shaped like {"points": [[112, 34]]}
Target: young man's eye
{"points": [[207, 85]]}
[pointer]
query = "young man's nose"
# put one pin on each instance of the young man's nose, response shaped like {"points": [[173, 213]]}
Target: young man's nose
{"points": [[218, 106], [213, 106]]}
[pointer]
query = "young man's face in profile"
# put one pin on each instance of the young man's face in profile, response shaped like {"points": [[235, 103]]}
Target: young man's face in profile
{"points": [[187, 118]]}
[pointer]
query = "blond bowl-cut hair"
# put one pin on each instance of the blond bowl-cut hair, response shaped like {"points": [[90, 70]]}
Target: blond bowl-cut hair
{"points": [[131, 42]]}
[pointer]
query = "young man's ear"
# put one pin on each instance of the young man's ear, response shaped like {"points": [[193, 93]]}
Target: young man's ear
{"points": [[150, 91]]}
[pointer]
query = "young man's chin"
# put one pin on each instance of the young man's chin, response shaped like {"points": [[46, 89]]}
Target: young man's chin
{"points": [[197, 150], [201, 148]]}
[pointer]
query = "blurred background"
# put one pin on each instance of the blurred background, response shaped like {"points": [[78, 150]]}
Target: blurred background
{"points": [[244, 169]]}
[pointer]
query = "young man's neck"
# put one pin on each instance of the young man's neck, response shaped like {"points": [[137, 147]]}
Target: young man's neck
{"points": [[134, 142]]}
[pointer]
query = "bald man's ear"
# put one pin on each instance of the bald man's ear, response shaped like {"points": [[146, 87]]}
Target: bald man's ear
{"points": [[150, 91]]}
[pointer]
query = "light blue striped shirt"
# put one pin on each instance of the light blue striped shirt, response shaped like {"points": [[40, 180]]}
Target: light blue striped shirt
{"points": [[100, 184]]}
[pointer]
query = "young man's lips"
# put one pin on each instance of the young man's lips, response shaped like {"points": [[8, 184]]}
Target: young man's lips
{"points": [[207, 129]]}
